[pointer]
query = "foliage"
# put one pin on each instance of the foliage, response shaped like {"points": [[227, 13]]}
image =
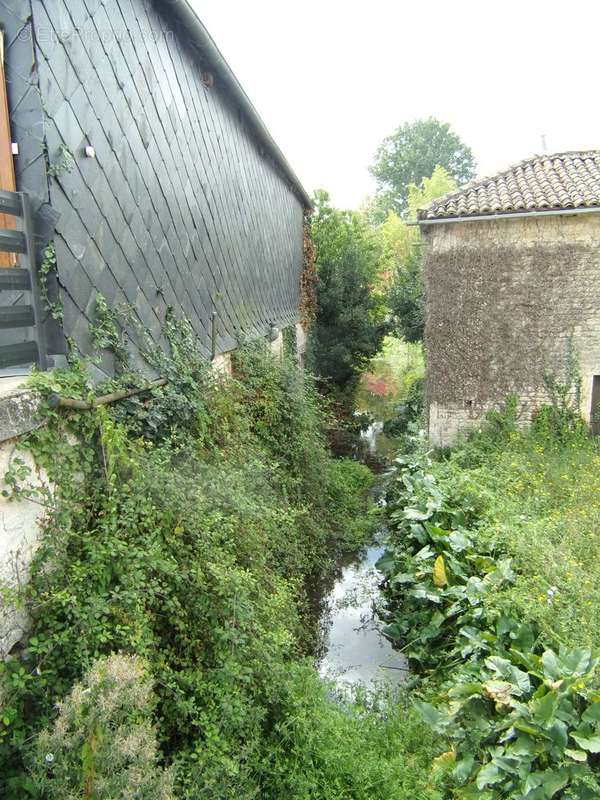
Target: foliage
{"points": [[475, 593], [392, 373], [422, 193], [406, 298], [46, 268], [435, 576], [404, 252], [308, 280], [523, 725], [108, 331], [412, 153], [350, 323], [102, 743], [185, 532], [363, 749], [560, 418], [64, 163], [408, 416]]}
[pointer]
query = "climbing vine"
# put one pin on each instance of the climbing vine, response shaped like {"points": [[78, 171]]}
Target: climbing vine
{"points": [[64, 163], [47, 267], [308, 280]]}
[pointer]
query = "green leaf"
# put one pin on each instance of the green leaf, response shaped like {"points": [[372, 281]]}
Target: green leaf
{"points": [[524, 745], [554, 781], [572, 664], [425, 553], [544, 708], [459, 541], [592, 713], [437, 534], [402, 578], [438, 720], [577, 662], [589, 743], [526, 727], [489, 775], [461, 691], [557, 732], [576, 755], [387, 563], [551, 664], [416, 514], [463, 769], [504, 668]]}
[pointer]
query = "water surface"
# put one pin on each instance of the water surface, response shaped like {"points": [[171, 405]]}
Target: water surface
{"points": [[355, 651]]}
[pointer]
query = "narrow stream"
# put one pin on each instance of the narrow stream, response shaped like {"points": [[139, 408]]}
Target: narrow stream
{"points": [[355, 652]]}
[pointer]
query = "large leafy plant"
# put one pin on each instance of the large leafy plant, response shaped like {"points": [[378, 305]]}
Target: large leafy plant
{"points": [[522, 726], [520, 718]]}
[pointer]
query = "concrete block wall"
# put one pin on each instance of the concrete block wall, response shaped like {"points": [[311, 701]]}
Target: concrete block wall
{"points": [[505, 299]]}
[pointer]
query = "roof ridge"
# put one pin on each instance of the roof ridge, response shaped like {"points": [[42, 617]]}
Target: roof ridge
{"points": [[557, 184]]}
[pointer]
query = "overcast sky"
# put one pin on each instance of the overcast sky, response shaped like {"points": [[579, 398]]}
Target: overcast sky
{"points": [[331, 78]]}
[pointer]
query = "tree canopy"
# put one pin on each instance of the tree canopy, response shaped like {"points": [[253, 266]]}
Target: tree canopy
{"points": [[350, 322], [412, 153], [403, 250]]}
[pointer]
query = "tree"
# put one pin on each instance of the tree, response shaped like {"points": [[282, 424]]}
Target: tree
{"points": [[350, 322], [403, 249], [411, 154]]}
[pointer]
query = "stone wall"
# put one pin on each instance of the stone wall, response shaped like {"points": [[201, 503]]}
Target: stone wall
{"points": [[19, 520], [504, 299]]}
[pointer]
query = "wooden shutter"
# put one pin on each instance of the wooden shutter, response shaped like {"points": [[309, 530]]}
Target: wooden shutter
{"points": [[7, 167]]}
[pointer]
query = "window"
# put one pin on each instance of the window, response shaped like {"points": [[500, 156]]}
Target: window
{"points": [[595, 408]]}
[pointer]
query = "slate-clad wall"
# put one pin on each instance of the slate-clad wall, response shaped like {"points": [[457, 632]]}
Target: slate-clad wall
{"points": [[181, 206], [27, 127]]}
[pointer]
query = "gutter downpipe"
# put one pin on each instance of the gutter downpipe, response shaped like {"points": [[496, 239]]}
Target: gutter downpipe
{"points": [[562, 212], [215, 59]]}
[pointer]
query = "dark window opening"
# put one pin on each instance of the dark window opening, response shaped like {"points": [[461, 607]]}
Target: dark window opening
{"points": [[595, 409]]}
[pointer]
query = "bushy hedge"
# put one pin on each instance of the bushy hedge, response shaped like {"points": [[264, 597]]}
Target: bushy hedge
{"points": [[183, 531]]}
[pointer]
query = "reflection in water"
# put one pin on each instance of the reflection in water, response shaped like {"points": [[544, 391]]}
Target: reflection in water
{"points": [[356, 653], [371, 435]]}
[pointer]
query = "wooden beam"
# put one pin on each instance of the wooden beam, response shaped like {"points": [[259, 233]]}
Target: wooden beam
{"points": [[7, 166]]}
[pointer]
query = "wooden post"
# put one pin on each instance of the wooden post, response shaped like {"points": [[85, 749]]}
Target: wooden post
{"points": [[7, 167]]}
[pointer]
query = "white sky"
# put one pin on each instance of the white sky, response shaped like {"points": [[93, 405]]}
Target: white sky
{"points": [[331, 78]]}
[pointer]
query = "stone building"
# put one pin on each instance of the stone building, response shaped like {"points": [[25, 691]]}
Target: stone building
{"points": [[512, 286]]}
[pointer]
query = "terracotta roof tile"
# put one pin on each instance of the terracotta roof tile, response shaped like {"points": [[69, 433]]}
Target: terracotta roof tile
{"points": [[541, 183]]}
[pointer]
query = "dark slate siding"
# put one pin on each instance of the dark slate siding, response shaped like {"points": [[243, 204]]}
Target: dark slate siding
{"points": [[27, 124], [180, 207]]}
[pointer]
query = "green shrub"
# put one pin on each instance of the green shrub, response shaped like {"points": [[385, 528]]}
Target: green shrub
{"points": [[102, 743], [184, 532], [409, 415]]}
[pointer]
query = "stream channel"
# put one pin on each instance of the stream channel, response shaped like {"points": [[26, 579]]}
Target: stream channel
{"points": [[354, 652]]}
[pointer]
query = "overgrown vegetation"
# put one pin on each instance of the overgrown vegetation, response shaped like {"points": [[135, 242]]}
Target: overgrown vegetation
{"points": [[485, 578], [350, 324], [182, 535], [404, 252]]}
